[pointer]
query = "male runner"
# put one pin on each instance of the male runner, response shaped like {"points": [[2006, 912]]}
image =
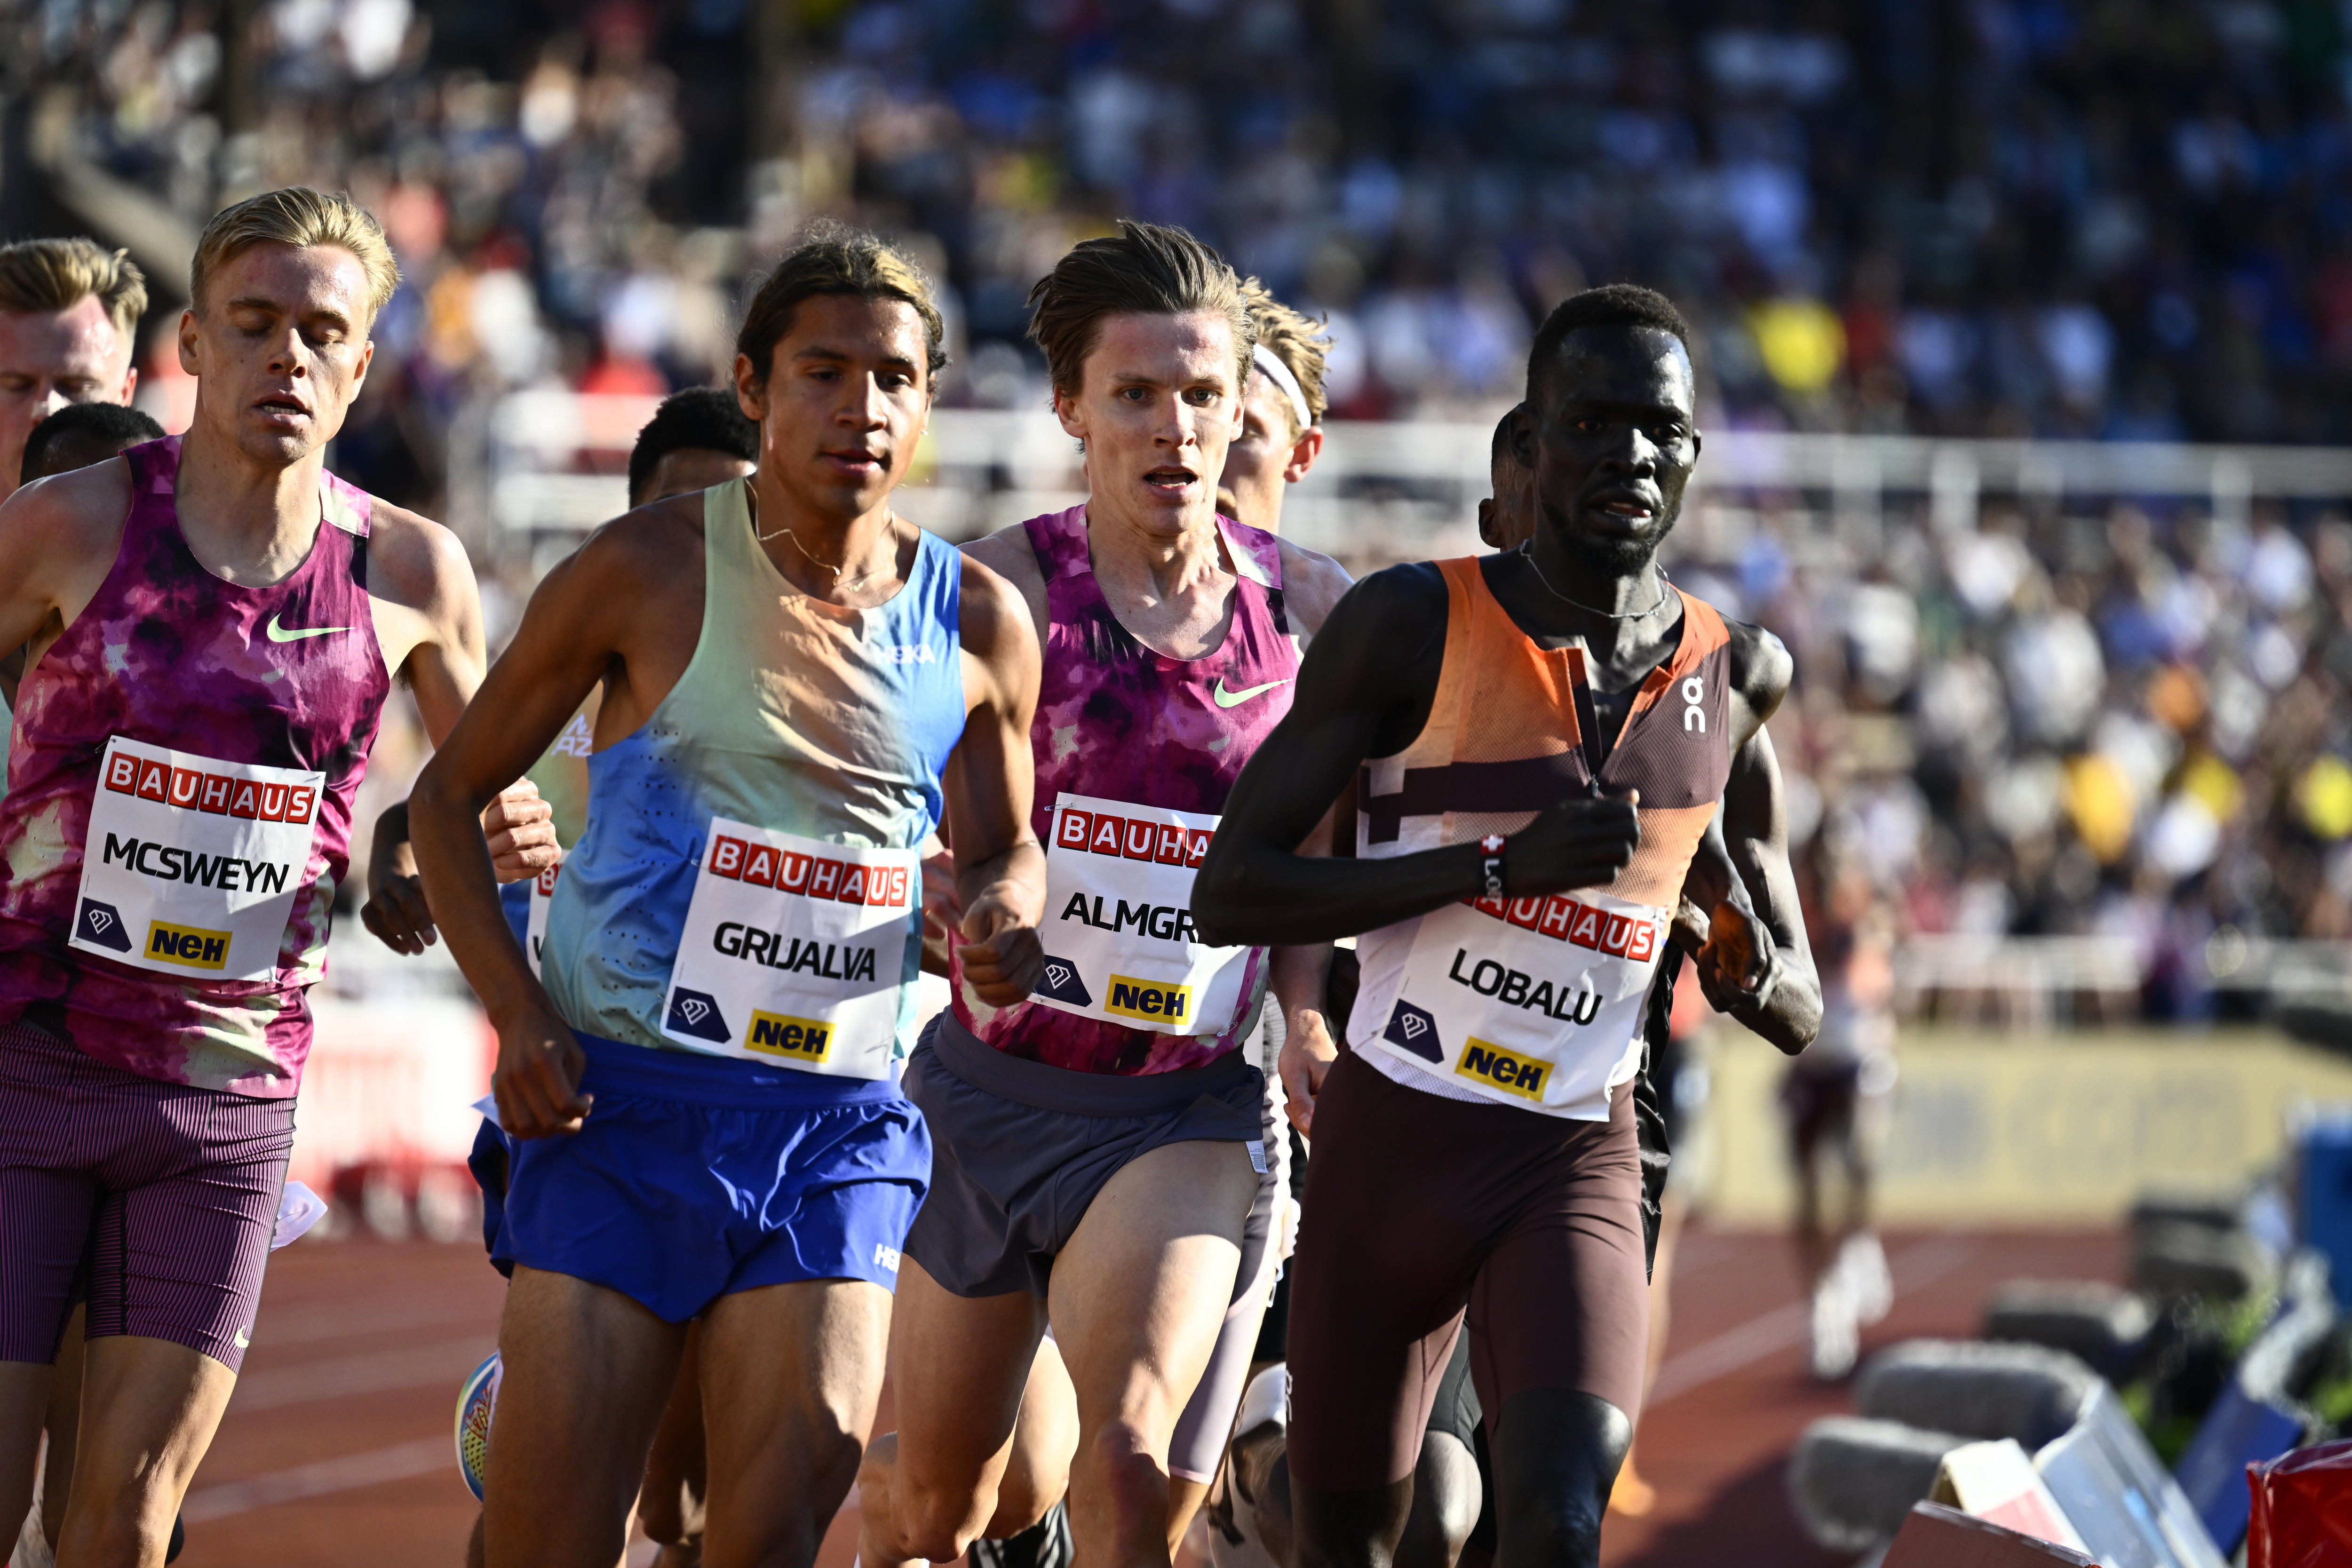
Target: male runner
{"points": [[1098, 1145], [1507, 517], [214, 623], [69, 328], [1282, 435], [80, 434], [1527, 726], [700, 1091]]}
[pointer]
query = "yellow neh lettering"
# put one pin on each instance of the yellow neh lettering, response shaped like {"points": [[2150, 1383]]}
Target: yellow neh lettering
{"points": [[191, 945], [1154, 1001], [777, 1035], [1483, 1062]]}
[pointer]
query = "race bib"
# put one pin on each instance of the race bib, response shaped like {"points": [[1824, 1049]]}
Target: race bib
{"points": [[793, 951], [542, 899], [1531, 1001], [1118, 937], [192, 866]]}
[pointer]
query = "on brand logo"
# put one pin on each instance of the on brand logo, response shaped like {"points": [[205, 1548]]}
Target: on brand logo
{"points": [[1694, 716]]}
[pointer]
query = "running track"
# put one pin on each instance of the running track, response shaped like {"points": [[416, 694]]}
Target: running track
{"points": [[337, 1449]]}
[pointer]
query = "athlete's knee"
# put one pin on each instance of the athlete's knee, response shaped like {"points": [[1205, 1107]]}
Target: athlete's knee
{"points": [[1122, 1469], [1445, 1504], [126, 1522], [1557, 1454], [1027, 1494], [907, 1519]]}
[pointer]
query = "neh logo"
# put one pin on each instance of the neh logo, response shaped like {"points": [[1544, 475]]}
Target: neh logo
{"points": [[696, 1013], [101, 925], [192, 945], [1415, 1030], [781, 1035], [1062, 984], [1507, 1071], [1152, 1000]]}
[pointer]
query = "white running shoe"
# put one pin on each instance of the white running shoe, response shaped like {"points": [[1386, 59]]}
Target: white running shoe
{"points": [[1862, 1262], [1833, 1341]]}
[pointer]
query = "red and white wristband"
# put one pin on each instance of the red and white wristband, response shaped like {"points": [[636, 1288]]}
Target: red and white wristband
{"points": [[1491, 866]]}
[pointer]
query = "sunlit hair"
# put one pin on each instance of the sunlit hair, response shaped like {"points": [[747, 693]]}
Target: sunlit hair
{"points": [[300, 216], [58, 274], [1144, 269], [833, 258], [1299, 342]]}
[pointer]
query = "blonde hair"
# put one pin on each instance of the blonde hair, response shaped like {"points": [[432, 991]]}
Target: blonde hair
{"points": [[1293, 339], [300, 216], [58, 274]]}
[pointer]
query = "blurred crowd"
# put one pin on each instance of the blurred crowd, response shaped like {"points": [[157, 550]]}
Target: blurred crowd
{"points": [[2106, 218]]}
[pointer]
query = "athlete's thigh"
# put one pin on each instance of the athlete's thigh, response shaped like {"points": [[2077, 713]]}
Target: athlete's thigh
{"points": [[586, 1371], [149, 1409], [1140, 1289], [961, 1363], [790, 1376]]}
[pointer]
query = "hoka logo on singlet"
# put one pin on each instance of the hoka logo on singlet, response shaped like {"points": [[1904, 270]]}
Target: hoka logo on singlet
{"points": [[905, 653], [1131, 838], [577, 739], [845, 881], [1565, 920]]}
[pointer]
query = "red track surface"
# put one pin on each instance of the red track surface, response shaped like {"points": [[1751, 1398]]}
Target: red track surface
{"points": [[337, 1446]]}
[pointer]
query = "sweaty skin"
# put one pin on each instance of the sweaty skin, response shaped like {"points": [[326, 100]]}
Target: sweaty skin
{"points": [[1610, 441], [51, 358], [279, 347]]}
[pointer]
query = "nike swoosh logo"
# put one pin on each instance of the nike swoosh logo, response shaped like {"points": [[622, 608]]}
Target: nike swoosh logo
{"points": [[280, 633], [1235, 699], [244, 1339]]}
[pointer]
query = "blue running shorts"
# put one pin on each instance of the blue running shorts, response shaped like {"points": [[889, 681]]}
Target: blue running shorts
{"points": [[698, 1176]]}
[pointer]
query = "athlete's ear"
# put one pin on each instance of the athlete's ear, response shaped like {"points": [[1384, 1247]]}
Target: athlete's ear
{"points": [[1071, 413], [751, 393], [188, 341], [1310, 447], [1523, 436]]}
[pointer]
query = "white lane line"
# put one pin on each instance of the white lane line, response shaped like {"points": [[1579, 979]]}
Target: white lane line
{"points": [[378, 1372], [1770, 1332], [397, 1463]]}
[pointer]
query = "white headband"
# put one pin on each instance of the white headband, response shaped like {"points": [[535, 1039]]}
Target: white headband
{"points": [[1266, 359]]}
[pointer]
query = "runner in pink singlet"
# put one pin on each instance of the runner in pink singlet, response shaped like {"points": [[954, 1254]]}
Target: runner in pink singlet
{"points": [[214, 623]]}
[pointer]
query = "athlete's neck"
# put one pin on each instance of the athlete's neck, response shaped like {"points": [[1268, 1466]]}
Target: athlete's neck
{"points": [[1128, 551], [247, 522], [1624, 613], [806, 541]]}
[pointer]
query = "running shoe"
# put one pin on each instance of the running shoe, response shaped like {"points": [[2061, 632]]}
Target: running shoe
{"points": [[1863, 1263], [1833, 1341], [477, 1397], [1044, 1544]]}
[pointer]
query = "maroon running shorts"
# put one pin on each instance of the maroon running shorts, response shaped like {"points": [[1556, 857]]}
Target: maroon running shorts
{"points": [[154, 1201], [1418, 1207]]}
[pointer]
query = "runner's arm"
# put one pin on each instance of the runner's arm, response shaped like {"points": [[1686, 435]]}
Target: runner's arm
{"points": [[59, 538], [1360, 686], [1755, 821], [568, 639], [990, 784], [430, 612]]}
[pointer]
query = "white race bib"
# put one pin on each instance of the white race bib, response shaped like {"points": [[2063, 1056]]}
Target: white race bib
{"points": [[795, 950], [534, 931], [192, 866], [1528, 1001], [1118, 933]]}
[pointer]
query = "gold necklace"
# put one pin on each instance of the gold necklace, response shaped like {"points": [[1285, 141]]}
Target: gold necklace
{"points": [[753, 502]]}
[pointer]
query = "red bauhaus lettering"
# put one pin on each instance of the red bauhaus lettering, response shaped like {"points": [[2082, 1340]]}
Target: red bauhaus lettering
{"points": [[1197, 847], [1143, 837], [214, 796], [825, 879], [1172, 842], [155, 781], [273, 803], [760, 865], [1619, 932], [1644, 943], [122, 773], [1586, 932], [897, 898], [245, 799], [1525, 911], [1071, 831], [186, 785], [1498, 908], [299, 799], [852, 885], [1557, 912], [726, 856], [793, 873], [546, 881], [1105, 839]]}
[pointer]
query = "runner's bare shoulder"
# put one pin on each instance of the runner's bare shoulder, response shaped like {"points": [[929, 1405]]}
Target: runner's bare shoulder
{"points": [[68, 520], [1311, 583], [1008, 553], [641, 561], [994, 621], [412, 561], [1761, 668]]}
